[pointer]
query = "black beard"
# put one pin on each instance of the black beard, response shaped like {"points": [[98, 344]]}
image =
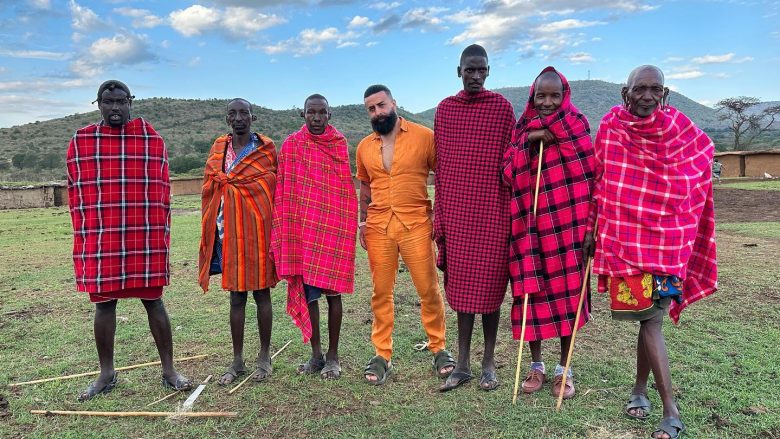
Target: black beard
{"points": [[385, 124]]}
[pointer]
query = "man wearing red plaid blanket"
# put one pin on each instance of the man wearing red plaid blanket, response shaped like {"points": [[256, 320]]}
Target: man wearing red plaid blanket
{"points": [[546, 247], [471, 213], [119, 196], [313, 234], [654, 223]]}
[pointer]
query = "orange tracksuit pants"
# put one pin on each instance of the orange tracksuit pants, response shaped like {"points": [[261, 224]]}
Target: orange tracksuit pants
{"points": [[416, 249]]}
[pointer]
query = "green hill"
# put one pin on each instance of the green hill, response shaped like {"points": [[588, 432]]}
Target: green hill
{"points": [[36, 151], [594, 98]]}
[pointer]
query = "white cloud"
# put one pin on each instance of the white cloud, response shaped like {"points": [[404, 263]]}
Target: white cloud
{"points": [[570, 23], [83, 18], [502, 24], [359, 21], [40, 4], [35, 54], [194, 61], [141, 17], [579, 58], [194, 20], [713, 59], [121, 49], [690, 74], [165, 44], [424, 18], [346, 44], [19, 109], [312, 41], [235, 21], [674, 59], [385, 6], [372, 43]]}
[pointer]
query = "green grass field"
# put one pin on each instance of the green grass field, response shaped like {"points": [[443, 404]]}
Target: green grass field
{"points": [[724, 355], [762, 185]]}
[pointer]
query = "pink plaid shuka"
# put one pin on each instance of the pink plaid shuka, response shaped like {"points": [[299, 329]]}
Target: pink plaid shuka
{"points": [[653, 201], [546, 248], [315, 219]]}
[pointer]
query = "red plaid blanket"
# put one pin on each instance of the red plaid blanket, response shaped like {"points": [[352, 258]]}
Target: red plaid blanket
{"points": [[654, 201], [119, 197], [315, 219], [471, 212], [546, 249]]}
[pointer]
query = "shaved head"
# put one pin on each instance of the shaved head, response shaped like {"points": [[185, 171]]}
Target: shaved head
{"points": [[239, 99], [549, 76], [641, 69], [473, 50]]}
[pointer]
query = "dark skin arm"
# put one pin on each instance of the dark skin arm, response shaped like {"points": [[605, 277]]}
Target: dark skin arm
{"points": [[365, 201]]}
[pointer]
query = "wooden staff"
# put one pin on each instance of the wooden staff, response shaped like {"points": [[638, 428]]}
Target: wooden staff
{"points": [[525, 299], [230, 392], [163, 398], [78, 375], [142, 414], [585, 282]]}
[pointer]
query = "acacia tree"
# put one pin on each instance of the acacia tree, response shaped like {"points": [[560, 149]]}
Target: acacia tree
{"points": [[744, 121]]}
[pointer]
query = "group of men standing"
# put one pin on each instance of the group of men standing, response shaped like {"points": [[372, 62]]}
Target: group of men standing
{"points": [[526, 201]]}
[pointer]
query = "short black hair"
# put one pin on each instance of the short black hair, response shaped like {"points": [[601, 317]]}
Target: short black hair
{"points": [[376, 88], [473, 50], [111, 84], [315, 96], [239, 99]]}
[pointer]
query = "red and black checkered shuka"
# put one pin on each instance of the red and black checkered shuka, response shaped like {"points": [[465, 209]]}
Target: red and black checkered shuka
{"points": [[119, 194], [546, 249], [471, 209]]}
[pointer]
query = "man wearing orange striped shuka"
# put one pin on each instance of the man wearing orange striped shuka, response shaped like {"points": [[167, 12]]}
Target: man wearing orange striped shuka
{"points": [[237, 199]]}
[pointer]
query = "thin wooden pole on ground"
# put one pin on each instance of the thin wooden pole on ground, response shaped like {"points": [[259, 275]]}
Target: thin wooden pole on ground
{"points": [[78, 375], [141, 414], [230, 392], [525, 299]]}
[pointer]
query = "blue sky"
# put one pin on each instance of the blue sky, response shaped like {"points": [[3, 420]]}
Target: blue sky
{"points": [[54, 53]]}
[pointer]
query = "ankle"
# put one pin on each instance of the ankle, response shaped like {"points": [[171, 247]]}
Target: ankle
{"points": [[559, 371], [538, 365]]}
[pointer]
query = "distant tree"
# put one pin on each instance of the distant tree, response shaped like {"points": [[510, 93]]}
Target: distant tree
{"points": [[50, 160], [24, 160], [745, 122], [182, 164]]}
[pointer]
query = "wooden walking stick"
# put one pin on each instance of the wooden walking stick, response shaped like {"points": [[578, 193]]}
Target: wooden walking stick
{"points": [[525, 299], [585, 282], [135, 366], [136, 414], [230, 392]]}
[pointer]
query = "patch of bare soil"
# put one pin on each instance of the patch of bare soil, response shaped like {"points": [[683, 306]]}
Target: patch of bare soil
{"points": [[746, 206]]}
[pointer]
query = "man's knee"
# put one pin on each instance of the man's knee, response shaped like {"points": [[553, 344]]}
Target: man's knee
{"points": [[238, 298], [108, 306], [262, 297], [153, 305]]}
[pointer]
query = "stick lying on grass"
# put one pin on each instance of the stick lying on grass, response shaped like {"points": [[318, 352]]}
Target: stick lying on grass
{"points": [[230, 392], [78, 375], [141, 414]]}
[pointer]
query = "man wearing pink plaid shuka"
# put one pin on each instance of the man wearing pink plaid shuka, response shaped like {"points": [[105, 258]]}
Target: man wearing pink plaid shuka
{"points": [[654, 222], [314, 230], [546, 259], [471, 210]]}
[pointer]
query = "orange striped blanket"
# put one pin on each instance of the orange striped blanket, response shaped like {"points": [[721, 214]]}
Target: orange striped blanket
{"points": [[248, 193]]}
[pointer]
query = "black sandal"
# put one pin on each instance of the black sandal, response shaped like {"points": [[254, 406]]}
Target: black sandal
{"points": [[380, 368], [93, 391], [311, 367], [638, 401], [674, 427], [441, 360]]}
